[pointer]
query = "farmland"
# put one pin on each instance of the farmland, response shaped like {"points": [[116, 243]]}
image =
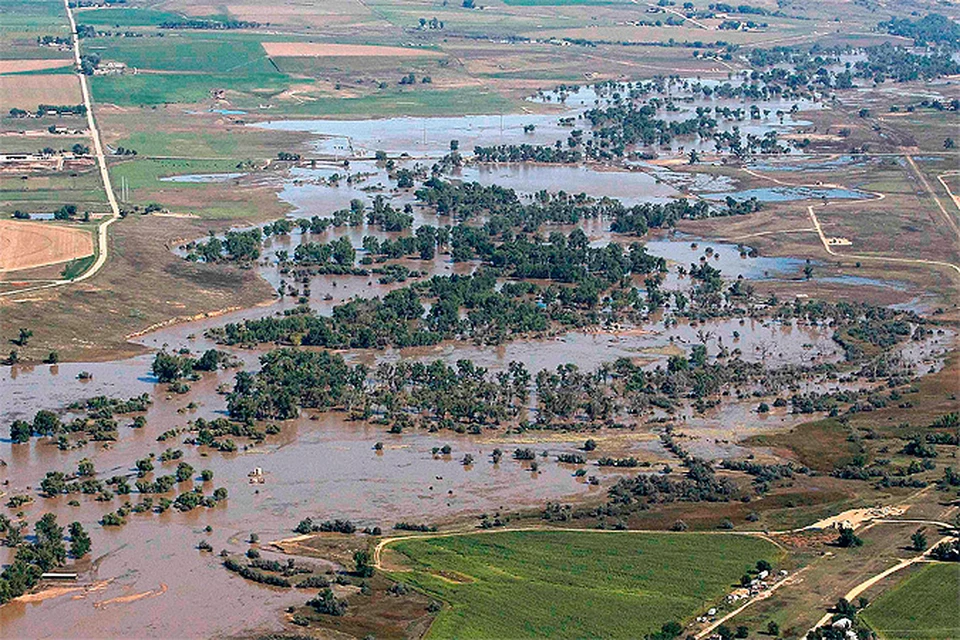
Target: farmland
{"points": [[24, 245], [28, 91], [924, 605], [567, 584]]}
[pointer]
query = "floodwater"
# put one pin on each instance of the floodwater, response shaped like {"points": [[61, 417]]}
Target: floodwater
{"points": [[789, 194], [150, 579], [203, 178]]}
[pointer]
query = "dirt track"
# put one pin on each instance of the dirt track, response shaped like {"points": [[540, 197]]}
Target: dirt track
{"points": [[24, 245]]}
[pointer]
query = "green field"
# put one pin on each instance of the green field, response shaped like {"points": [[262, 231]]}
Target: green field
{"points": [[925, 605], [208, 200], [575, 584], [398, 102], [148, 174], [124, 17], [151, 89]]}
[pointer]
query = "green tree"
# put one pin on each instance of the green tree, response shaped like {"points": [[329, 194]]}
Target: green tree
{"points": [[361, 560], [79, 540], [919, 540], [20, 431], [46, 423], [848, 538], [85, 468]]}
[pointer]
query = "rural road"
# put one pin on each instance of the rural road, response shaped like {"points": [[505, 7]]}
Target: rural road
{"points": [[869, 582], [879, 196], [101, 160], [102, 241]]}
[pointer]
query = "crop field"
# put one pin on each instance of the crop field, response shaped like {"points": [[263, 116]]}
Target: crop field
{"points": [[28, 91], [39, 64], [124, 17], [574, 584], [24, 244], [46, 193], [21, 23], [922, 606]]}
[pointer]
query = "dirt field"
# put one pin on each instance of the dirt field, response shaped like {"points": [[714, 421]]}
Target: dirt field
{"points": [[323, 50], [26, 92], [24, 245], [18, 66]]}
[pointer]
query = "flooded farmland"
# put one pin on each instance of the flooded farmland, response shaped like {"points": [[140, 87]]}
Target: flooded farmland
{"points": [[147, 577]]}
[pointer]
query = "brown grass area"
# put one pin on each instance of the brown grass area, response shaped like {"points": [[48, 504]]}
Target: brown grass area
{"points": [[24, 245], [326, 50], [17, 66], [26, 92], [142, 284], [379, 614], [821, 445]]}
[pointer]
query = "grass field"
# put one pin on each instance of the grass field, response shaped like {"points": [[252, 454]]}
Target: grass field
{"points": [[398, 102], [574, 584], [925, 605], [124, 17], [46, 193]]}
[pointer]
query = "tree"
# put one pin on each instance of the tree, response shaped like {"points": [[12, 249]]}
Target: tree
{"points": [[773, 628], [20, 431], [845, 608], [361, 559], [919, 539], [85, 468], [169, 367], [46, 423], [24, 337], [327, 603], [848, 538], [79, 540]]}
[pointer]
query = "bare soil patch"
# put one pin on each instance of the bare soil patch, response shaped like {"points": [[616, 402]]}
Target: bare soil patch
{"points": [[26, 92], [324, 50], [24, 245], [19, 66]]}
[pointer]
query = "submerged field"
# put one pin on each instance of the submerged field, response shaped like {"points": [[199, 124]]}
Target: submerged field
{"points": [[574, 584], [921, 606]]}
